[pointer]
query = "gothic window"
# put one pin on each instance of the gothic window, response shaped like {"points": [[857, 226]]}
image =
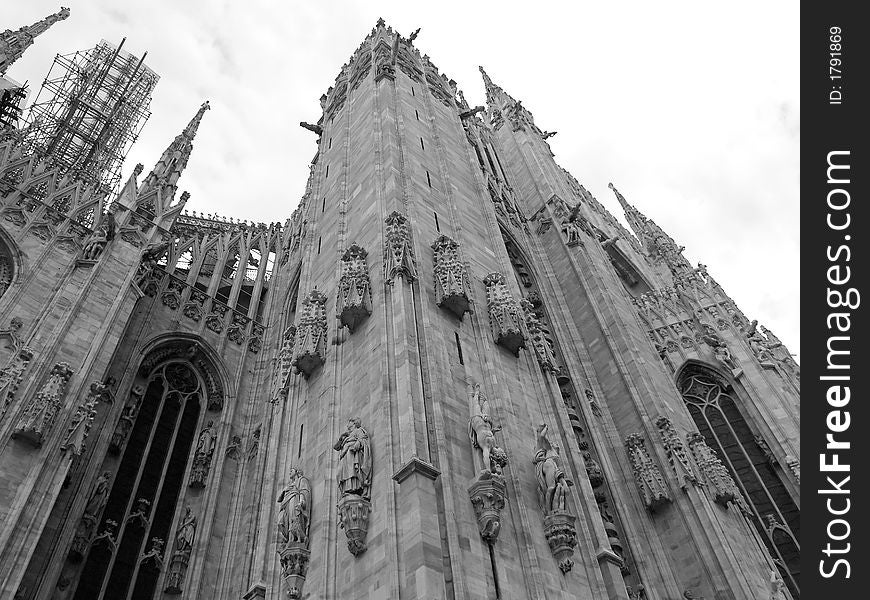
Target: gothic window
{"points": [[7, 266], [155, 447], [714, 407]]}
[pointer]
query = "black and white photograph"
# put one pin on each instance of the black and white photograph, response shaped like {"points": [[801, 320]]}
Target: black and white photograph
{"points": [[455, 300]]}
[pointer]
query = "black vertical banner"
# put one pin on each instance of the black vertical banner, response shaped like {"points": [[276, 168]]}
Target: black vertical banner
{"points": [[835, 223]]}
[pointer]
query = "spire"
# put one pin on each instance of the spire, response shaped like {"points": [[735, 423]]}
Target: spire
{"points": [[653, 237], [14, 43], [495, 96], [634, 217], [170, 166]]}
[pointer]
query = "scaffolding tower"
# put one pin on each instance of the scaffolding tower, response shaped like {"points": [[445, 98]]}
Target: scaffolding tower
{"points": [[12, 98], [89, 111]]}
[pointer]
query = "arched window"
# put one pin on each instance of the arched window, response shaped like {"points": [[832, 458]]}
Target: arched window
{"points": [[714, 407], [7, 267], [155, 441]]}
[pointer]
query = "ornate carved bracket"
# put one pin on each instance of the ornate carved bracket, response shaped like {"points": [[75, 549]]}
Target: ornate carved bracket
{"points": [[353, 517], [506, 318], [354, 298], [487, 493], [39, 415], [650, 481], [677, 455], [398, 253], [309, 350], [713, 471], [452, 287]]}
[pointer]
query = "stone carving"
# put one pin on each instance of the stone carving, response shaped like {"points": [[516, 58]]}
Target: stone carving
{"points": [[255, 342], [354, 484], [294, 519], [147, 276], [127, 419], [11, 376], [714, 472], [38, 416], [777, 586], [139, 516], [399, 258], [284, 362], [354, 297], [677, 455], [202, 458], [234, 448], [180, 559], [506, 318], [649, 479], [193, 307], [153, 558], [720, 349], [794, 465], [94, 245], [593, 405], [215, 319], [553, 485], [236, 330], [553, 490], [106, 538], [541, 345], [171, 297], [83, 418], [571, 229], [452, 287], [765, 449], [88, 522], [309, 351], [487, 490]]}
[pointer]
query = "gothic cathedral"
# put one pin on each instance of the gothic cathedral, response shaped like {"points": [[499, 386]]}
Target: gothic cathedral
{"points": [[451, 373]]}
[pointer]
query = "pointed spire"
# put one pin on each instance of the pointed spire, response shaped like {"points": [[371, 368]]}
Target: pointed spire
{"points": [[170, 166], [14, 43], [495, 96], [635, 218]]}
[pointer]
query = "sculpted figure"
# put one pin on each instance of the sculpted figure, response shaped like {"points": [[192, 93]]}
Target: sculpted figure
{"points": [[294, 514], [355, 460], [202, 458], [94, 245], [552, 482], [185, 534], [482, 433]]}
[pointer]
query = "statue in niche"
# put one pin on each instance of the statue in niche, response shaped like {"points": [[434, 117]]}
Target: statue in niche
{"points": [[94, 245], [355, 460], [202, 458], [127, 419], [481, 432], [552, 482], [294, 514], [88, 523], [180, 559]]}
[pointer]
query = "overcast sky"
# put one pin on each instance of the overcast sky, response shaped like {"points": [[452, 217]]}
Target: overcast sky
{"points": [[691, 109]]}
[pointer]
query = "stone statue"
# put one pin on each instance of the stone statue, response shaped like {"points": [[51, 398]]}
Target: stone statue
{"points": [[552, 482], [776, 585], [294, 514], [127, 419], [202, 458], [88, 523], [355, 460], [181, 550], [482, 433], [94, 245]]}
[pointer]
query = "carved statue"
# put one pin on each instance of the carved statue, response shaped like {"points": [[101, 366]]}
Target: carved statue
{"points": [[776, 585], [202, 458], [355, 460], [294, 515], [94, 245], [127, 419], [552, 482], [185, 533], [88, 523], [482, 433]]}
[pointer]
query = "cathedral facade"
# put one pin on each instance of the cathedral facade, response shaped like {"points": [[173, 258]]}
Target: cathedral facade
{"points": [[451, 373]]}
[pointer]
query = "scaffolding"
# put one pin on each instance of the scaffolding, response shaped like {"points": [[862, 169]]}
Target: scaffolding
{"points": [[12, 98], [90, 110]]}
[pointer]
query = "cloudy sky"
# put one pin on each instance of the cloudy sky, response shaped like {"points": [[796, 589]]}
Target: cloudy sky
{"points": [[691, 109]]}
